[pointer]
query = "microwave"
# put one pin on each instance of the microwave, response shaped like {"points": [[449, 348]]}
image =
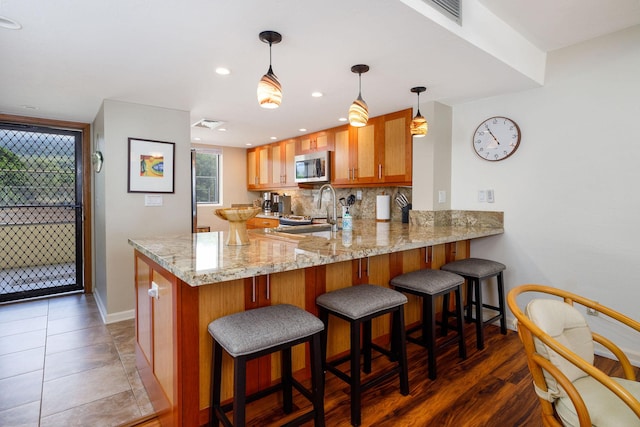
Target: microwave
{"points": [[313, 167]]}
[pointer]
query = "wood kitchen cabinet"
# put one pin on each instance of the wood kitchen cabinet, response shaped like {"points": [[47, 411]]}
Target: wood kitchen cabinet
{"points": [[257, 222], [258, 170], [355, 156], [283, 167], [318, 141], [396, 160], [271, 166]]}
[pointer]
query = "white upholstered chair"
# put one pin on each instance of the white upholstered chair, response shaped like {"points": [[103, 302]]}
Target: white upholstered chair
{"points": [[560, 353]]}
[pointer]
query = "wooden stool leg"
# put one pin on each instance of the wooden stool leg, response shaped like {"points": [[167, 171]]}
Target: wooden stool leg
{"points": [[400, 331], [317, 379], [501, 305], [287, 392], [366, 346], [216, 376], [239, 390], [323, 315], [356, 391], [479, 320], [462, 348], [444, 325], [430, 338], [469, 306]]}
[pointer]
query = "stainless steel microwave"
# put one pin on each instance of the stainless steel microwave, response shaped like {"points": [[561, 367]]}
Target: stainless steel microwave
{"points": [[313, 167]]}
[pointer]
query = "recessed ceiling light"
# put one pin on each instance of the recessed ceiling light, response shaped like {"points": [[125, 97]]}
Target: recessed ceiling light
{"points": [[274, 137], [223, 71], [222, 130], [196, 139], [9, 24], [248, 144], [342, 119], [29, 107], [317, 94], [302, 130]]}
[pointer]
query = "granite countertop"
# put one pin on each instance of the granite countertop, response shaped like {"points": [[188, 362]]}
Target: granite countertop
{"points": [[203, 258]]}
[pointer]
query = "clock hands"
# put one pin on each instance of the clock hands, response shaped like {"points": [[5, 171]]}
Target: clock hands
{"points": [[492, 136]]}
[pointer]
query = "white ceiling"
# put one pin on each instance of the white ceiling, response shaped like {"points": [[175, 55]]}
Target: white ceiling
{"points": [[70, 55]]}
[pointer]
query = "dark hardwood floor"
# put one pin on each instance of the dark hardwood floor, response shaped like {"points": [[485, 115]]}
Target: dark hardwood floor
{"points": [[492, 387]]}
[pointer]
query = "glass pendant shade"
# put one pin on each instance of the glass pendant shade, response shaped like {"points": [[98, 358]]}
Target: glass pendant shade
{"points": [[269, 90], [419, 126], [358, 113]]}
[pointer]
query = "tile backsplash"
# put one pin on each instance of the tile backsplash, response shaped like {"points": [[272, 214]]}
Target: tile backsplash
{"points": [[305, 201]]}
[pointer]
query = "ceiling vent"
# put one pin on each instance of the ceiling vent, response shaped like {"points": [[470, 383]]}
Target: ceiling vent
{"points": [[207, 124], [449, 8]]}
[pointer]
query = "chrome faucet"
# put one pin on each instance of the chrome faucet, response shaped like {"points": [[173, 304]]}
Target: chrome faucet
{"points": [[334, 224]]}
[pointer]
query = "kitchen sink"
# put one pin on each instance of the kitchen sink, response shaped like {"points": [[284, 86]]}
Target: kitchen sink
{"points": [[307, 228]]}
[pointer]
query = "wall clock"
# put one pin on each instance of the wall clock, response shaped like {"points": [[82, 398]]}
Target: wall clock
{"points": [[496, 138]]}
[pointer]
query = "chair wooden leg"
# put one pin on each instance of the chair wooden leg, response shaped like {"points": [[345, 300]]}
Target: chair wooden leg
{"points": [[216, 375], [356, 391], [444, 325], [317, 380], [430, 339], [400, 331], [287, 392], [239, 390], [462, 348], [501, 305], [366, 346], [479, 319]]}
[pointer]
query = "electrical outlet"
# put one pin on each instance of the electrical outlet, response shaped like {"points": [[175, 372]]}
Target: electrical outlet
{"points": [[490, 198], [442, 196], [592, 311], [482, 196]]}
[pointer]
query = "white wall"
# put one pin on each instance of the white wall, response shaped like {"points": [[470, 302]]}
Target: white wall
{"points": [[120, 215], [571, 208]]}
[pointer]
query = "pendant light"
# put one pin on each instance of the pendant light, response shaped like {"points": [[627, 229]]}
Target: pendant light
{"points": [[269, 88], [358, 112], [419, 125]]}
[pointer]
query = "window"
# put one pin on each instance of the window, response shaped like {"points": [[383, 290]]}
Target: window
{"points": [[207, 176]]}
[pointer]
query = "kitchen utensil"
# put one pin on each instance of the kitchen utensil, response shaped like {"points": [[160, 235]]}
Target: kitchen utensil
{"points": [[351, 200], [400, 200], [342, 201]]}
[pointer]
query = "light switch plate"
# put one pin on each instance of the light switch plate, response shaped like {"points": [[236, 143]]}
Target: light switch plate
{"points": [[482, 196], [152, 200], [490, 198], [442, 196]]}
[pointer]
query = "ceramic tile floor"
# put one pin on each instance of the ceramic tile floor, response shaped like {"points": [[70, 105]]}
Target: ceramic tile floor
{"points": [[60, 365]]}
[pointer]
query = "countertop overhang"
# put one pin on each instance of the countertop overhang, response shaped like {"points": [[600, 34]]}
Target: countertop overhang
{"points": [[204, 258]]}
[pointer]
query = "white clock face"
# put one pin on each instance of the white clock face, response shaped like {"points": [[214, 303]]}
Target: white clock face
{"points": [[496, 138]]}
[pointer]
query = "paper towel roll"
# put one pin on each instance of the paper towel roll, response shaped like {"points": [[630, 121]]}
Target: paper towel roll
{"points": [[383, 207]]}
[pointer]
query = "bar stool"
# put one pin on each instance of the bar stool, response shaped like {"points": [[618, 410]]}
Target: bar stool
{"points": [[429, 284], [254, 333], [358, 305], [475, 270]]}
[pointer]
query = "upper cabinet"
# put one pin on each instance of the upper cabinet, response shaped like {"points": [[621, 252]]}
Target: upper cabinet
{"points": [[319, 141], [379, 153], [375, 154], [397, 155], [271, 166]]}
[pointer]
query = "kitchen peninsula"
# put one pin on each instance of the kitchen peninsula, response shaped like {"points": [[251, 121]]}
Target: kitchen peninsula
{"points": [[184, 282]]}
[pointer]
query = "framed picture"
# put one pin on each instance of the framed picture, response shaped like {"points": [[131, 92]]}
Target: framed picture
{"points": [[151, 166]]}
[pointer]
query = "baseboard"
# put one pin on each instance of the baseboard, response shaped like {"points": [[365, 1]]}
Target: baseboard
{"points": [[113, 317]]}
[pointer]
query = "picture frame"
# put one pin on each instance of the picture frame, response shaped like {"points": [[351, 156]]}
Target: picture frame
{"points": [[151, 166]]}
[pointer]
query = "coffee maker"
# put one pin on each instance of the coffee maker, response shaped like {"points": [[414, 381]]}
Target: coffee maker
{"points": [[266, 202]]}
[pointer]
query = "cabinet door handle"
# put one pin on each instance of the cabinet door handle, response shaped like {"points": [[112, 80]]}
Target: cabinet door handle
{"points": [[253, 290], [268, 288], [379, 170], [359, 268], [154, 291]]}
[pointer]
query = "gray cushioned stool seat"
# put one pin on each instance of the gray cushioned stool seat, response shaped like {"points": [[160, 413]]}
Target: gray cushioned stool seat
{"points": [[360, 301], [428, 281], [475, 267], [474, 270], [429, 284], [256, 330]]}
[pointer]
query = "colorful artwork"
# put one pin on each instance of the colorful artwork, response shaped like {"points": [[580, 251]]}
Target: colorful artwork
{"points": [[151, 166]]}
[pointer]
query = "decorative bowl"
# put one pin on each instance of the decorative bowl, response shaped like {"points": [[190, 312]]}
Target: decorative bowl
{"points": [[237, 218]]}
